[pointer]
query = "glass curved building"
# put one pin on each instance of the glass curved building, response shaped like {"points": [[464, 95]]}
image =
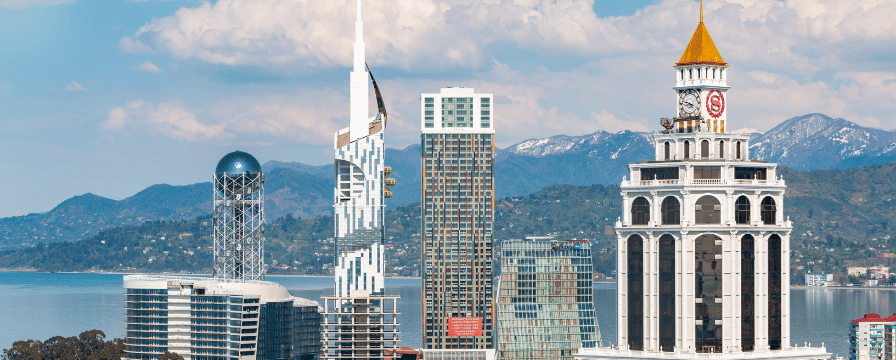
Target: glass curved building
{"points": [[545, 305]]}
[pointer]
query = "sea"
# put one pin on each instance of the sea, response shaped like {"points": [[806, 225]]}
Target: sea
{"points": [[42, 305]]}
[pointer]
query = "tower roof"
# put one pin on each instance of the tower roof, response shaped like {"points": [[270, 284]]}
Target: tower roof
{"points": [[237, 163], [701, 49]]}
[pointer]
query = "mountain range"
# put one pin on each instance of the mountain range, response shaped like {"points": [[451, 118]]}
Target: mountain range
{"points": [[809, 142]]}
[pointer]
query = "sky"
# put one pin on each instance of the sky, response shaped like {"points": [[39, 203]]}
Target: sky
{"points": [[109, 97]]}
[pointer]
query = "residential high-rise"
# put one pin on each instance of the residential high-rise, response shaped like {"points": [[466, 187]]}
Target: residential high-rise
{"points": [[458, 220], [545, 299], [233, 315], [359, 321], [872, 337], [703, 245], [239, 218]]}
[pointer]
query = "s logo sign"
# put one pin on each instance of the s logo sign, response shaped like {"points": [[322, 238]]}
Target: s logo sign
{"points": [[715, 103]]}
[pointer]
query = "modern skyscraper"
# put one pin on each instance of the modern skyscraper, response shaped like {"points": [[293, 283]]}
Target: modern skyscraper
{"points": [[359, 228], [458, 212], [239, 218], [703, 244], [545, 299], [233, 316]]}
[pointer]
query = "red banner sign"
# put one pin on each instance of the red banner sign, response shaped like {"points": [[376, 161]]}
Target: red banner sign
{"points": [[465, 326]]}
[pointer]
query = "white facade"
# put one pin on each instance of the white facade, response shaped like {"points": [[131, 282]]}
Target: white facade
{"points": [[440, 118], [359, 188], [205, 318], [703, 245], [819, 279]]}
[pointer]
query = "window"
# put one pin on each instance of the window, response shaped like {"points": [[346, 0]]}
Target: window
{"points": [[671, 211], [742, 210], [708, 210], [704, 149], [750, 173], [635, 292], [687, 149], [660, 173], [748, 294], [707, 172], [666, 149], [708, 290], [737, 156], [768, 211], [667, 292], [774, 292], [640, 211], [721, 149]]}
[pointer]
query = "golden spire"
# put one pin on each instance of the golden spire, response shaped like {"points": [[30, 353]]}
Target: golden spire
{"points": [[701, 49]]}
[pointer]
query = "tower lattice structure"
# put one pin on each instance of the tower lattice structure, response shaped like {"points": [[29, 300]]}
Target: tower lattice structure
{"points": [[239, 218]]}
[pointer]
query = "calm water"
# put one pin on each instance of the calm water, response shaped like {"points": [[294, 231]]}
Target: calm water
{"points": [[39, 306]]}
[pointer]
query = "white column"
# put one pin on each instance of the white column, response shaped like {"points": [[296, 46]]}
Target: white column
{"points": [[761, 281], [785, 290], [621, 289], [651, 277], [688, 292]]}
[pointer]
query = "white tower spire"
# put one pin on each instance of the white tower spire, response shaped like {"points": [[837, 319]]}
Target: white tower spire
{"points": [[358, 78]]}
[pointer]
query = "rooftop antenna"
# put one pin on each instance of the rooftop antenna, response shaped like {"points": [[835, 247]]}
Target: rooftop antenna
{"points": [[701, 11]]}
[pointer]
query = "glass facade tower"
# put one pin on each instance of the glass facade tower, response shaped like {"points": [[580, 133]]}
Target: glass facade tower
{"points": [[458, 212], [545, 300]]}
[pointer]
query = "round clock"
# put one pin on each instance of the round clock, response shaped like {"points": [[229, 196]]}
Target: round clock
{"points": [[715, 103], [689, 103]]}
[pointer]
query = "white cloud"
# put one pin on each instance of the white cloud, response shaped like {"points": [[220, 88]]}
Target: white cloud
{"points": [[430, 34], [25, 4], [306, 117], [149, 67], [133, 46], [74, 86]]}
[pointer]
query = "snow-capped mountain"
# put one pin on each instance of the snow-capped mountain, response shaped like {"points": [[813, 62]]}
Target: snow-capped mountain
{"points": [[817, 141]]}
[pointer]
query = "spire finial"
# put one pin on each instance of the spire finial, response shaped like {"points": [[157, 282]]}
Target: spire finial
{"points": [[701, 11], [359, 9]]}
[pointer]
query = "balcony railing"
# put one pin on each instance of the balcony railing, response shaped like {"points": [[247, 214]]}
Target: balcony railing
{"points": [[701, 182]]}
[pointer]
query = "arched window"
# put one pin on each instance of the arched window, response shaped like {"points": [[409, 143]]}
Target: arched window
{"points": [[774, 292], [640, 211], [742, 210], [738, 151], [666, 147], [708, 288], [768, 211], [671, 211], [687, 149], [704, 149], [721, 149], [708, 210], [667, 293], [635, 314], [748, 293]]}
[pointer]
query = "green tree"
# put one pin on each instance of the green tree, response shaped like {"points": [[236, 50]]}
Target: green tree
{"points": [[170, 356]]}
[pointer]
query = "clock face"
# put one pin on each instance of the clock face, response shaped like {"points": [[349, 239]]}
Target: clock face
{"points": [[715, 103], [689, 103]]}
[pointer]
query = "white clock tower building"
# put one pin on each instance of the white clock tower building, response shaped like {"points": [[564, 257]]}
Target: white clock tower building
{"points": [[703, 245]]}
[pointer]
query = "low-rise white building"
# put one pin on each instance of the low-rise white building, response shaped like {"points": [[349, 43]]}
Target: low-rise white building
{"points": [[819, 279]]}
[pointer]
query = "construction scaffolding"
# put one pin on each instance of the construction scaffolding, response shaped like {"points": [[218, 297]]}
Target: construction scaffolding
{"points": [[360, 327]]}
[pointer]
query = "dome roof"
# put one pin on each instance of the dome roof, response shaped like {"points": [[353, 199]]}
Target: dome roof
{"points": [[237, 163]]}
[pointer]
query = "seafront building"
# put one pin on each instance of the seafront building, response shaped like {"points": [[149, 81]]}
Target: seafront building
{"points": [[360, 322], [203, 318], [233, 315], [545, 304], [819, 279], [457, 220], [872, 337], [703, 244]]}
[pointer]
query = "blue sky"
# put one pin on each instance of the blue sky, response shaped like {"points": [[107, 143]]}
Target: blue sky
{"points": [[112, 96]]}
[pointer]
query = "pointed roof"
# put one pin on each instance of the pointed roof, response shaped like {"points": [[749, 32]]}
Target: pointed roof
{"points": [[701, 49]]}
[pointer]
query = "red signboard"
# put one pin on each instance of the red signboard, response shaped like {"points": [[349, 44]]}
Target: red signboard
{"points": [[465, 326]]}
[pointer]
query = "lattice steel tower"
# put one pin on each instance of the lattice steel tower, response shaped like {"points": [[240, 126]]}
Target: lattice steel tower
{"points": [[239, 218]]}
